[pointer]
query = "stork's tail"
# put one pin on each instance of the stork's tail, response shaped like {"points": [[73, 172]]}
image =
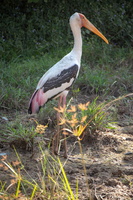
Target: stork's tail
{"points": [[37, 101]]}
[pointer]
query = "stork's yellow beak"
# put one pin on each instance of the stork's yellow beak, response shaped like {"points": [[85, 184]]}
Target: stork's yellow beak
{"points": [[87, 24]]}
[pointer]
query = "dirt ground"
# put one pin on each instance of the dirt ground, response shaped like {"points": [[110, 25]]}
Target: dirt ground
{"points": [[108, 157]]}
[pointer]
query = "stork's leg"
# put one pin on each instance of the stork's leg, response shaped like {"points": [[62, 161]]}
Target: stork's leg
{"points": [[56, 140], [65, 142], [57, 136]]}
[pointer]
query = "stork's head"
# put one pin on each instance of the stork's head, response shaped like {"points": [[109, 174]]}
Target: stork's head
{"points": [[80, 20]]}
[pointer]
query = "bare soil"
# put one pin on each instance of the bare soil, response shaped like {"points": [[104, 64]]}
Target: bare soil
{"points": [[107, 154]]}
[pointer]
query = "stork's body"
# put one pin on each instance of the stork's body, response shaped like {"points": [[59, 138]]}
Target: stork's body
{"points": [[55, 82], [59, 78]]}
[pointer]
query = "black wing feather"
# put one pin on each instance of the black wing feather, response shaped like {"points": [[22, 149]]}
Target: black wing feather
{"points": [[64, 77]]}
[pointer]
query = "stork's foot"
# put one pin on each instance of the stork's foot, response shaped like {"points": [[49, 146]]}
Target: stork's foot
{"points": [[56, 152], [55, 145]]}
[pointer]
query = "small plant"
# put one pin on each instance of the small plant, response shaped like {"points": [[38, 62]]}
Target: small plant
{"points": [[90, 116], [22, 136]]}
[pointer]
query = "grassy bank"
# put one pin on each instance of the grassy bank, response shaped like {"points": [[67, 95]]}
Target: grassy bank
{"points": [[105, 70]]}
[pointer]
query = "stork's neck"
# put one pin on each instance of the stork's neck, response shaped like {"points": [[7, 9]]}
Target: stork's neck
{"points": [[77, 48]]}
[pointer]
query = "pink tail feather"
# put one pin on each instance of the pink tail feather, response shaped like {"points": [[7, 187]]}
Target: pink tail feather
{"points": [[37, 100]]}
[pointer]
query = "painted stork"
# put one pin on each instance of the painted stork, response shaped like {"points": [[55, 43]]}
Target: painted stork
{"points": [[57, 81]]}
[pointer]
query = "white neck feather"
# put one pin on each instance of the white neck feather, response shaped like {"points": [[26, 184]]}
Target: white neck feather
{"points": [[77, 48]]}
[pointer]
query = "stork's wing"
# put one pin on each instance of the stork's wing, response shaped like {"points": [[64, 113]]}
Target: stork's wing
{"points": [[65, 79], [53, 87]]}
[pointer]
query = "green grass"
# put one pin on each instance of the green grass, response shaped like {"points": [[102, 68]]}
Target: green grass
{"points": [[105, 70], [19, 79]]}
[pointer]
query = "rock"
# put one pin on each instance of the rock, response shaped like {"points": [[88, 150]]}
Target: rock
{"points": [[4, 118]]}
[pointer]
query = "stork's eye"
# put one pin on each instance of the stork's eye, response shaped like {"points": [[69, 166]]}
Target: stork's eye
{"points": [[82, 16]]}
